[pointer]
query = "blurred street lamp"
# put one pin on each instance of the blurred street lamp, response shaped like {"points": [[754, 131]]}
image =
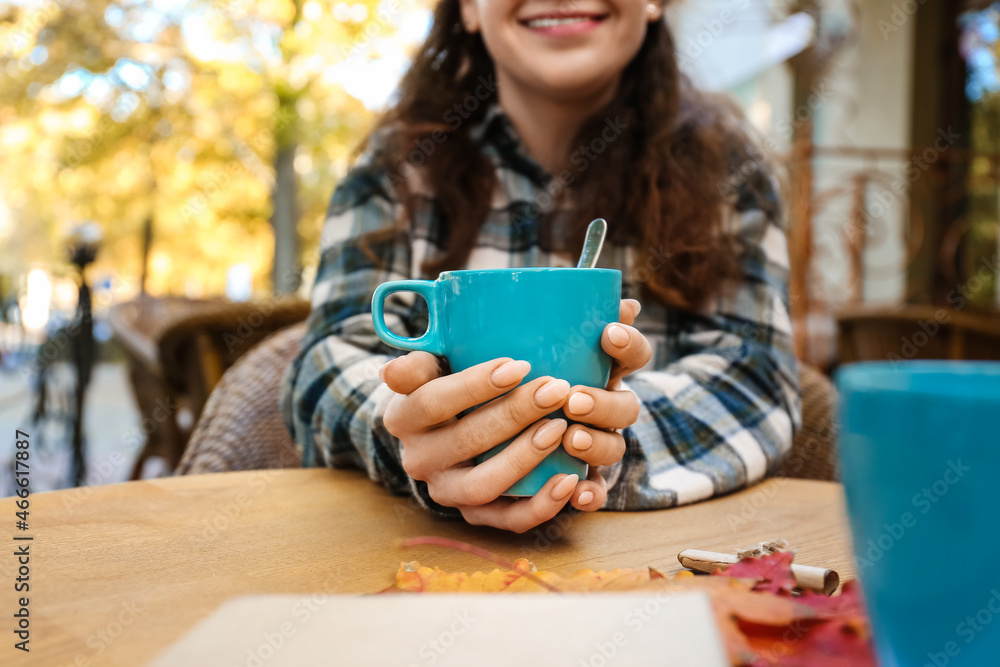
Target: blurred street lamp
{"points": [[82, 244]]}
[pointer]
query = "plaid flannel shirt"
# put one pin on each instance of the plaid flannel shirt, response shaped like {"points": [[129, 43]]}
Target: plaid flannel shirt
{"points": [[719, 398]]}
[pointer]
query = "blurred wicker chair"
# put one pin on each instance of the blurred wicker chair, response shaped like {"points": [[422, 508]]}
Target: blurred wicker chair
{"points": [[178, 350], [868, 333], [242, 426], [814, 448]]}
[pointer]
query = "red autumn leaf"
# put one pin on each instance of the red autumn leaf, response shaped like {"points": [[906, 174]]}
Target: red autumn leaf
{"points": [[829, 644], [774, 572], [848, 604]]}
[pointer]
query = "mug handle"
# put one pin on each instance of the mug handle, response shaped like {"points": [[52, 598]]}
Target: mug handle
{"points": [[431, 341]]}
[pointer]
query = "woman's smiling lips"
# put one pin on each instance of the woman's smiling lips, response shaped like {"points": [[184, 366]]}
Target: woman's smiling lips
{"points": [[562, 24]]}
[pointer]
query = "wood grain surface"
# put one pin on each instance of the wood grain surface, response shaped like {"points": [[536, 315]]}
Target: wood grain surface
{"points": [[119, 572]]}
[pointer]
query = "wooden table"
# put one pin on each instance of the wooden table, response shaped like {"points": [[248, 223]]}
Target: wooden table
{"points": [[119, 572]]}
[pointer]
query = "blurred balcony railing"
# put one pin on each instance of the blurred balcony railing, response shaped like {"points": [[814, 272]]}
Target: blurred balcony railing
{"points": [[889, 226]]}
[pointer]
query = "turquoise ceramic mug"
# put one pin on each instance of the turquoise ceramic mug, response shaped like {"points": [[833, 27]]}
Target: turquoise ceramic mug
{"points": [[920, 456], [553, 318]]}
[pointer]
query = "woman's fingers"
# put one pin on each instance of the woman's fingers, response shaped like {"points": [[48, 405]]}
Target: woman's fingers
{"points": [[521, 515], [629, 348], [590, 494], [443, 398], [434, 450], [628, 310], [594, 446], [411, 371], [483, 483], [601, 408], [503, 418], [485, 427]]}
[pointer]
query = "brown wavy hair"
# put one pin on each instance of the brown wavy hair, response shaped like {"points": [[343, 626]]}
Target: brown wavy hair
{"points": [[665, 181]]}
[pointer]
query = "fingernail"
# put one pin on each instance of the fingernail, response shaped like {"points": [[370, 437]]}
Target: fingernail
{"points": [[585, 498], [582, 441], [381, 371], [617, 335], [551, 393], [548, 433], [580, 403], [564, 487], [509, 373]]}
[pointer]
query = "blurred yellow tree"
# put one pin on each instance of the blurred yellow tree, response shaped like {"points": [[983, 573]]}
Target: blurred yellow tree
{"points": [[227, 123]]}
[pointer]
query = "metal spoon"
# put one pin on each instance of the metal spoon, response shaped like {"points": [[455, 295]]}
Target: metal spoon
{"points": [[593, 243]]}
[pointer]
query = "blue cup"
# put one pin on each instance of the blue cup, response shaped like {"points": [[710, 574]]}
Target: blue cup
{"points": [[552, 318], [920, 457]]}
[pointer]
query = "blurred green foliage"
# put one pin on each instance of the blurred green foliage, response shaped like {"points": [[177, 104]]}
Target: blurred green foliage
{"points": [[119, 111]]}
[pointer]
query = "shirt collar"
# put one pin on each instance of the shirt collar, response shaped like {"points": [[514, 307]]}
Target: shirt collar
{"points": [[497, 135]]}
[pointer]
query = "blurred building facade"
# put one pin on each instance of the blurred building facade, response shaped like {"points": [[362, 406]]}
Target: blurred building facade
{"points": [[884, 114]]}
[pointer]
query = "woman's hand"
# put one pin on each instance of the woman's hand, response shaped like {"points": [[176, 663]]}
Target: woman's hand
{"points": [[438, 446], [604, 412]]}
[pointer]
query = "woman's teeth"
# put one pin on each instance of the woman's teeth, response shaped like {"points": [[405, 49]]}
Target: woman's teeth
{"points": [[549, 23]]}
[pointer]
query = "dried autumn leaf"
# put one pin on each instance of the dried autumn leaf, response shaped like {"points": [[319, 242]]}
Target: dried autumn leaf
{"points": [[830, 644], [774, 571], [848, 603]]}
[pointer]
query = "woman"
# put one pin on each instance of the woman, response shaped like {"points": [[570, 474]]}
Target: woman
{"points": [[518, 122]]}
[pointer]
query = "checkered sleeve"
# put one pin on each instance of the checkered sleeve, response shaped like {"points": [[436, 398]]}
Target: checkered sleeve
{"points": [[719, 412], [332, 398]]}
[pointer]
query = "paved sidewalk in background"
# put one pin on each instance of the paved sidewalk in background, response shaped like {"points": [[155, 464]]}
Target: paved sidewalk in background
{"points": [[112, 431]]}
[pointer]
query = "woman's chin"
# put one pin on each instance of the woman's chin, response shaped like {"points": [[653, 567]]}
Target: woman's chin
{"points": [[573, 86]]}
